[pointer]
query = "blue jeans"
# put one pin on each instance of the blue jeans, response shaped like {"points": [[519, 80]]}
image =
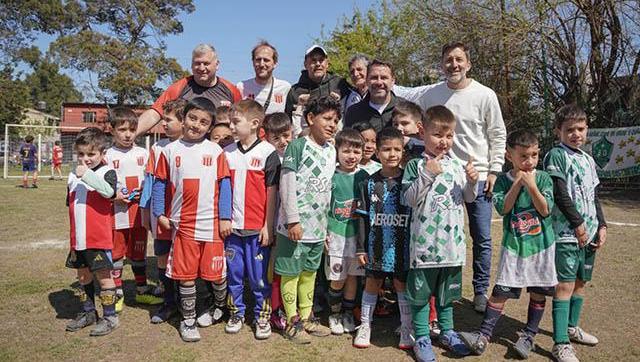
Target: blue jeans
{"points": [[479, 213]]}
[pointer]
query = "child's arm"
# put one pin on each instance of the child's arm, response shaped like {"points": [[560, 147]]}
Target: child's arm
{"points": [[290, 204], [225, 202], [158, 191], [539, 201], [504, 204], [104, 186], [362, 213], [568, 209], [602, 224], [418, 180], [272, 177], [470, 191]]}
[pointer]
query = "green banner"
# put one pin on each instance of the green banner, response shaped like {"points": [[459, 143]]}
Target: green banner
{"points": [[615, 150]]}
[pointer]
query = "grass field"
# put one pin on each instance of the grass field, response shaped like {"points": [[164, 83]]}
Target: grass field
{"points": [[36, 301]]}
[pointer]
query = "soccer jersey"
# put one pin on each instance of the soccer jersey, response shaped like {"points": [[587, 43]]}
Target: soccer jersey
{"points": [[130, 166], [154, 155], [28, 152], [253, 170], [223, 93], [437, 223], [578, 170], [371, 167], [386, 223], [527, 258], [252, 90], [56, 155], [314, 166], [193, 172], [90, 214], [343, 225]]}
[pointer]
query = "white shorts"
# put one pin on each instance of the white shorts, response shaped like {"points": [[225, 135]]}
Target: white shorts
{"points": [[337, 268]]}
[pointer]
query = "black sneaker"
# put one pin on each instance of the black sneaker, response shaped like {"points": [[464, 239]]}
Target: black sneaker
{"points": [[83, 319], [524, 345], [105, 326], [163, 314], [475, 341]]}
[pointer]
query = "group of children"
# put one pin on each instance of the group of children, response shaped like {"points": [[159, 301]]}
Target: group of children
{"points": [[253, 203]]}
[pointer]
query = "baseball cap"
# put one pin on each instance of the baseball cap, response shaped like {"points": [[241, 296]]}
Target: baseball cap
{"points": [[313, 48]]}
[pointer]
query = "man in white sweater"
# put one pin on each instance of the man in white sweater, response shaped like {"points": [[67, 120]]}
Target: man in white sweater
{"points": [[481, 134]]}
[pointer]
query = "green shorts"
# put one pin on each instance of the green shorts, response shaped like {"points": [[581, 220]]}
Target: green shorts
{"points": [[573, 262], [445, 283], [294, 257]]}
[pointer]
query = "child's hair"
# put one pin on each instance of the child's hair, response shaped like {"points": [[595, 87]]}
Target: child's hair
{"points": [[57, 143], [388, 133], [408, 109], [202, 104], [522, 138], [363, 126], [277, 123], [223, 112], [570, 112], [119, 115], [28, 139], [250, 109], [321, 105], [438, 115], [349, 137], [91, 136], [176, 107], [221, 125]]}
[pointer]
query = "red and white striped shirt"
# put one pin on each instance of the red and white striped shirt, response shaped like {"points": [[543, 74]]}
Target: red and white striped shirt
{"points": [[154, 155], [193, 172], [129, 165]]}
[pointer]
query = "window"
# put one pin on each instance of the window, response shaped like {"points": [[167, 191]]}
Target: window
{"points": [[89, 117]]}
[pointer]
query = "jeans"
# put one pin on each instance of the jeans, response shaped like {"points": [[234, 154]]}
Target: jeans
{"points": [[479, 212]]}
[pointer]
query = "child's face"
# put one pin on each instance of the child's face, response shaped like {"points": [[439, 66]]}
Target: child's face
{"points": [[221, 133], [573, 133], [171, 125], [369, 137], [89, 155], [196, 125], [322, 126], [280, 141], [124, 135], [349, 157], [390, 153], [406, 124], [241, 127], [523, 158], [438, 138]]}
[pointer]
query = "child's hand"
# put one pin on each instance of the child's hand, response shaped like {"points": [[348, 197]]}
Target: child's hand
{"points": [[136, 194], [327, 242], [528, 179], [81, 169], [432, 166], [335, 96], [264, 237], [602, 237], [225, 228], [294, 231], [121, 198], [164, 223], [472, 174], [363, 259], [581, 235]]}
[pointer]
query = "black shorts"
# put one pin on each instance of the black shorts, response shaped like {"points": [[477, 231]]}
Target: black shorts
{"points": [[514, 293], [379, 274], [94, 259]]}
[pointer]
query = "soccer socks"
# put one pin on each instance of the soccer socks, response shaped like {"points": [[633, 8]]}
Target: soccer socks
{"points": [[306, 286], [289, 288], [534, 316], [560, 314], [276, 299], [348, 305], [445, 318], [368, 305], [335, 300], [420, 316], [108, 301], [219, 293], [433, 314], [116, 274], [139, 269], [88, 297], [491, 317], [188, 301], [405, 310], [169, 288], [575, 307]]}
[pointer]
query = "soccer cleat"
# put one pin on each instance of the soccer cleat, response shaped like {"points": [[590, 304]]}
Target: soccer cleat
{"points": [[434, 329], [578, 335], [83, 319], [314, 328], [119, 303], [216, 314], [407, 339], [363, 337], [234, 324], [189, 331], [348, 322], [423, 350], [263, 329], [451, 341], [145, 296], [278, 320], [163, 314], [205, 319], [335, 324], [564, 353], [295, 333], [524, 345], [105, 326], [480, 303], [475, 341]]}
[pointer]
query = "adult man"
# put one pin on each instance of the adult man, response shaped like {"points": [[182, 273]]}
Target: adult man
{"points": [[203, 83], [481, 134], [265, 88], [315, 81], [358, 74], [378, 104]]}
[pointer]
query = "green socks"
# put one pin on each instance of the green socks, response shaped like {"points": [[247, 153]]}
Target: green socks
{"points": [[560, 321], [445, 318], [420, 318], [306, 286], [289, 293], [297, 292], [574, 310]]}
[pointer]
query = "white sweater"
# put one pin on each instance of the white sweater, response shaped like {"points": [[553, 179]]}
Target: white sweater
{"points": [[480, 130]]}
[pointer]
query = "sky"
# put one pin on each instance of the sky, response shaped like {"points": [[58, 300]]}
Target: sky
{"points": [[234, 27]]}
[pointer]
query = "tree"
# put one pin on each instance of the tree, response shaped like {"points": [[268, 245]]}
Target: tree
{"points": [[15, 97]]}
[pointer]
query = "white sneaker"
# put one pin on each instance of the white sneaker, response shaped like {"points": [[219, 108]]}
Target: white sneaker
{"points": [[335, 324], [234, 324], [263, 329], [348, 322], [363, 337], [189, 331], [578, 335], [564, 353], [480, 303], [205, 319], [407, 340]]}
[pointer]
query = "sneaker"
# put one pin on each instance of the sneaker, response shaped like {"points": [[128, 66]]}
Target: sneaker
{"points": [[480, 303], [163, 314], [105, 326], [564, 353], [451, 341], [578, 335], [146, 296], [363, 337], [348, 322], [407, 340], [216, 314], [335, 324], [189, 331], [83, 319], [423, 350], [263, 329], [524, 345], [434, 329], [295, 333], [205, 319], [475, 341], [34, 186], [278, 320], [119, 303], [314, 328], [234, 324]]}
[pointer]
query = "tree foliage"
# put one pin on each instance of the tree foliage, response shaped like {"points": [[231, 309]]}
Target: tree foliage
{"points": [[15, 97]]}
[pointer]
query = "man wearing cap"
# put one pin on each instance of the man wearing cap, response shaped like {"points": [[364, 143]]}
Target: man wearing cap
{"points": [[315, 81], [265, 89]]}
